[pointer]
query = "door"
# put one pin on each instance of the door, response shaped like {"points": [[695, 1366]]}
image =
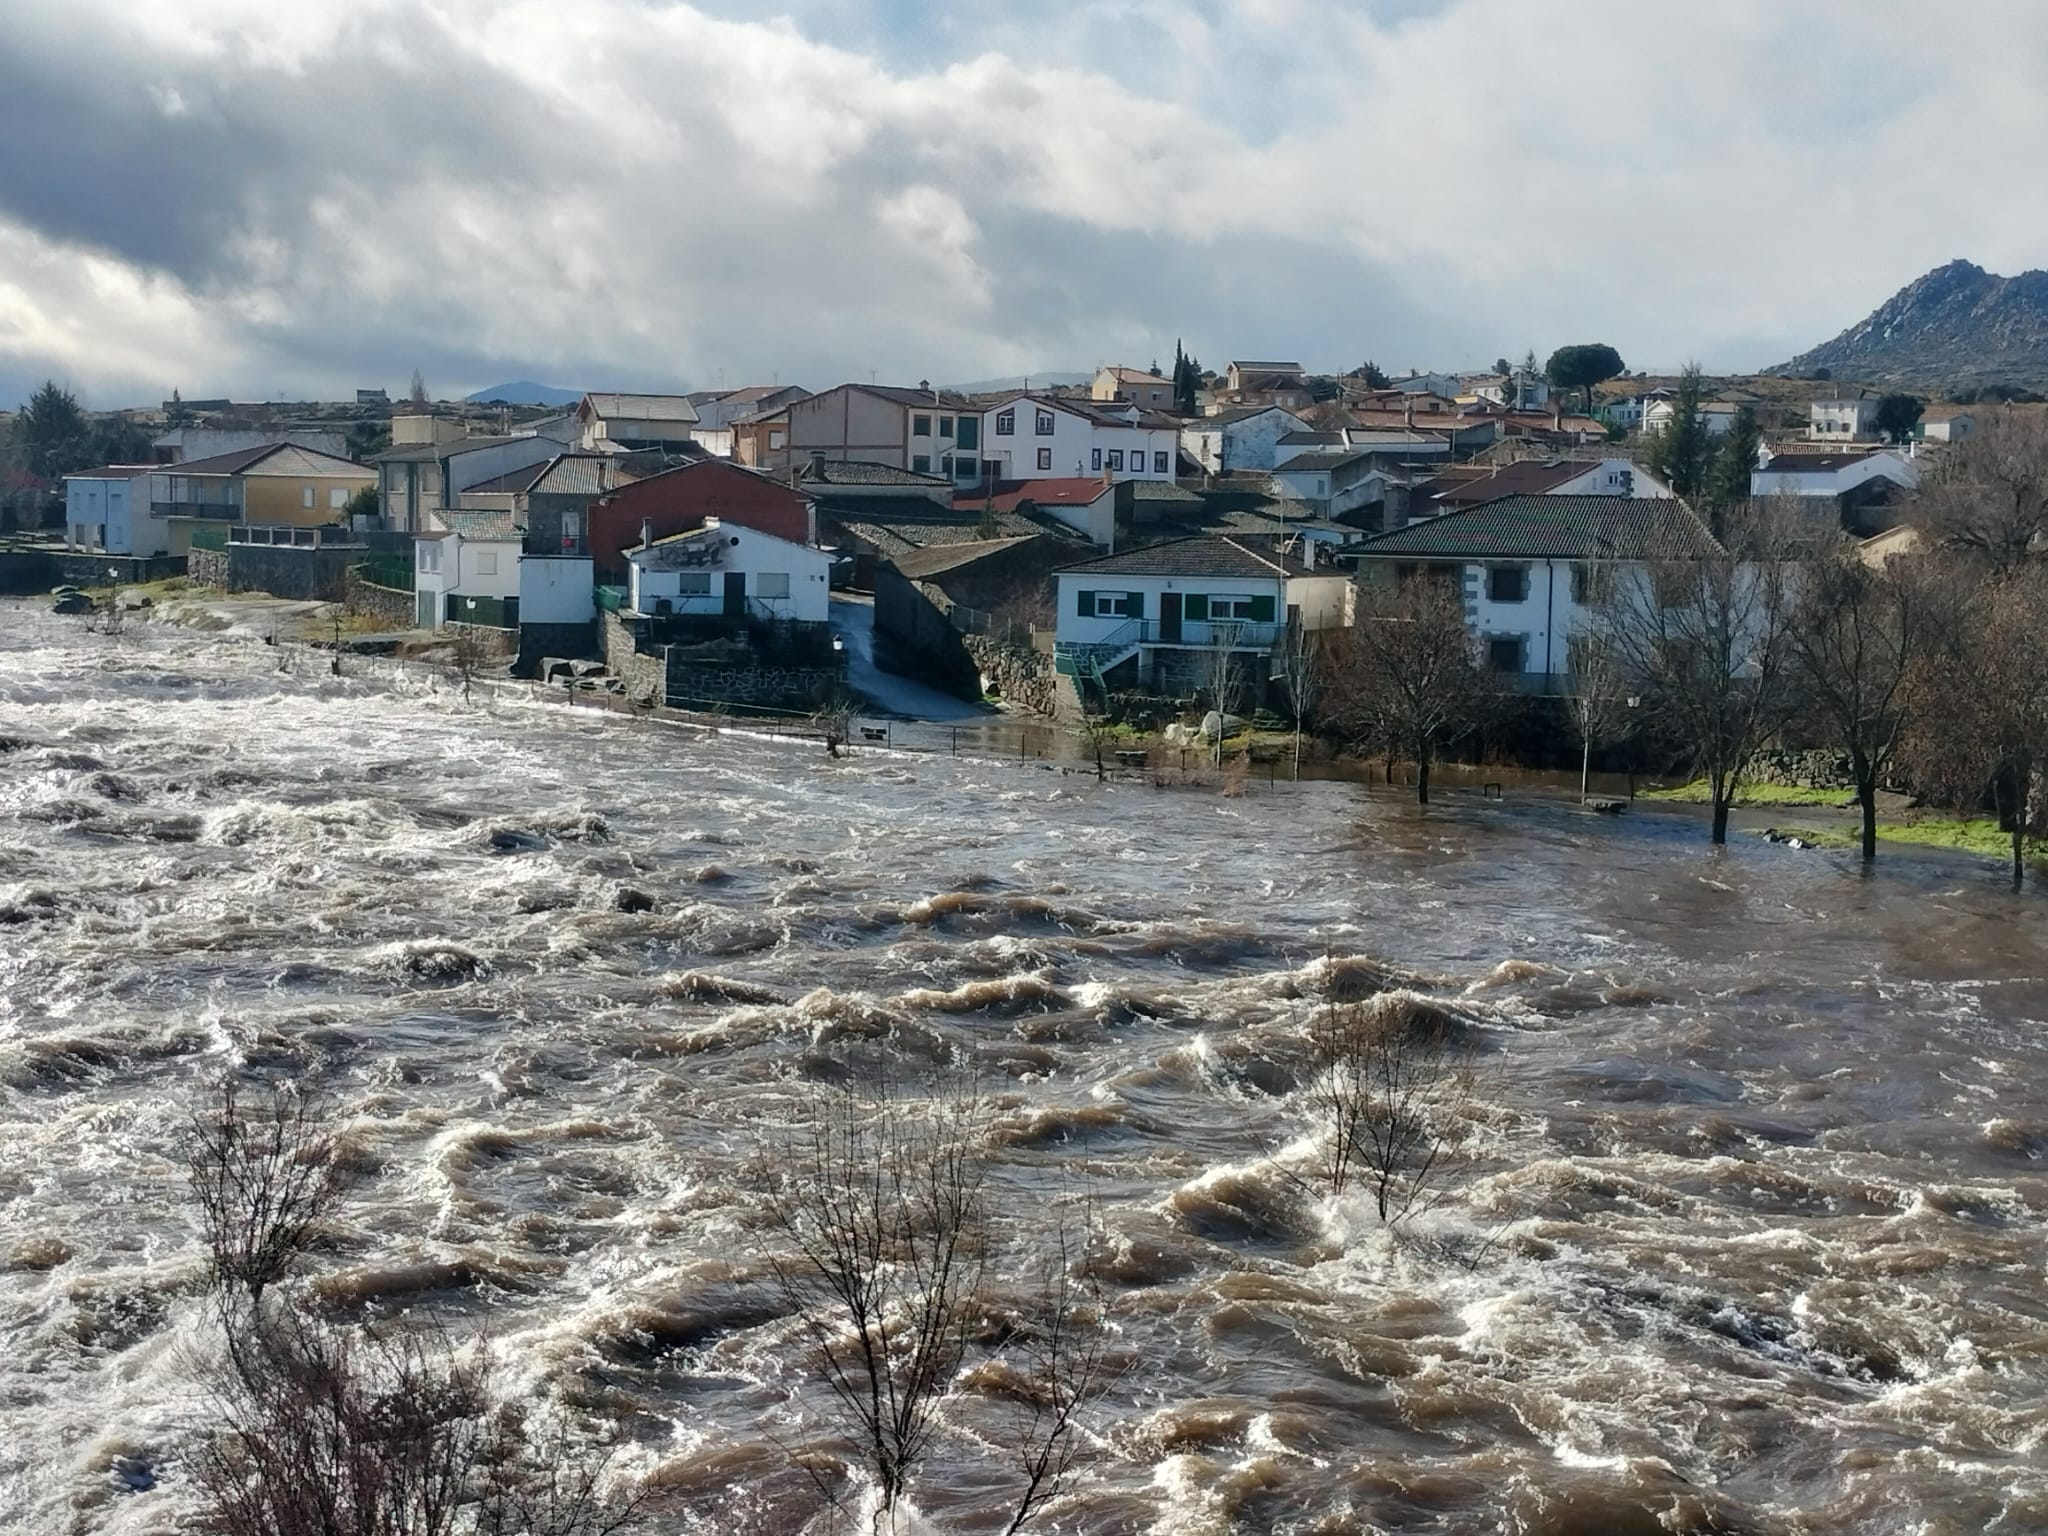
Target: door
{"points": [[735, 594], [1169, 618]]}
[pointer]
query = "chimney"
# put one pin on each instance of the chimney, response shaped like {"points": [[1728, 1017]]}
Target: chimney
{"points": [[1408, 410], [646, 533], [817, 464]]}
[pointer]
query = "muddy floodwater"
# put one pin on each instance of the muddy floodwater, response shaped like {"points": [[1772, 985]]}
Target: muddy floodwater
{"points": [[1752, 1237]]}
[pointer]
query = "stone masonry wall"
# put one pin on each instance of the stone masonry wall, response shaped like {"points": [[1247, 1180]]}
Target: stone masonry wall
{"points": [[1017, 674], [792, 690], [388, 605], [645, 677], [207, 568]]}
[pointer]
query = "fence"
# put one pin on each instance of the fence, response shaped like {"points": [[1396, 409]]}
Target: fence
{"points": [[210, 538], [394, 571], [491, 612]]}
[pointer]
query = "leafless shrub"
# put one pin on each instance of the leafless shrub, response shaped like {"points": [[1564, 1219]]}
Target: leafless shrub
{"points": [[265, 1177], [1599, 699], [467, 659], [334, 1431], [1407, 677], [834, 720], [1392, 1082], [885, 1210]]}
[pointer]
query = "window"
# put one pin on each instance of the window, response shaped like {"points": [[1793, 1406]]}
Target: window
{"points": [[693, 583], [1112, 605], [572, 525], [1507, 584], [1044, 424], [306, 495], [920, 426], [337, 498], [1159, 464], [771, 584], [430, 556], [487, 562], [1045, 458], [1006, 423], [1116, 459], [946, 466], [1095, 461], [921, 463], [970, 431], [1504, 652], [945, 426], [1230, 606], [775, 439]]}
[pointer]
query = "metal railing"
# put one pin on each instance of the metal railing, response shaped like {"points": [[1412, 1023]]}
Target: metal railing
{"points": [[491, 612]]}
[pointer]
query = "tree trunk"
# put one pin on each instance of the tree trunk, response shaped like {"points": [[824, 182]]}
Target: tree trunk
{"points": [[1585, 767], [1866, 797], [1422, 776], [1297, 748], [1721, 793], [2022, 786]]}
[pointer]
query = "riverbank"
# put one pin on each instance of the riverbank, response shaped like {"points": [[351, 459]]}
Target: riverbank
{"points": [[1899, 821]]}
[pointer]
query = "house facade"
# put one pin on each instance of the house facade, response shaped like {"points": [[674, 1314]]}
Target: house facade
{"points": [[718, 411], [1157, 617], [724, 571], [1844, 419], [1027, 437], [868, 423], [280, 485], [636, 421], [1948, 424], [1133, 385], [466, 569], [1246, 438], [107, 509], [417, 479], [1530, 569], [676, 501]]}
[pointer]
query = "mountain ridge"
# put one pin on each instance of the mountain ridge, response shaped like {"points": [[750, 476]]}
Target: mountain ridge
{"points": [[1953, 327], [524, 392]]}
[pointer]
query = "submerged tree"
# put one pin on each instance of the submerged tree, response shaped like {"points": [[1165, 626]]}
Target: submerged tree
{"points": [[265, 1177], [1300, 665], [1600, 701], [884, 1206], [1700, 636], [1405, 677]]}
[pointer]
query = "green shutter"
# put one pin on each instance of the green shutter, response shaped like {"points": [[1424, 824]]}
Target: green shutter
{"points": [[1085, 606], [1195, 606], [1262, 610], [1134, 605]]}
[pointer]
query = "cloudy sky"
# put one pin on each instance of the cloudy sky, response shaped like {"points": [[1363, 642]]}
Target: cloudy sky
{"points": [[267, 199]]}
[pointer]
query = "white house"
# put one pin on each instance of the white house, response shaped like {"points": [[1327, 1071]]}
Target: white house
{"points": [[1528, 567], [1948, 424], [1026, 437], [1718, 415], [107, 509], [723, 570], [1331, 481], [1444, 384], [465, 568], [1245, 438], [1843, 420], [1154, 617], [1829, 474]]}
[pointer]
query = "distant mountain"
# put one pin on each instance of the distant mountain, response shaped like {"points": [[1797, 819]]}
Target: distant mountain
{"points": [[1957, 326], [1036, 381], [525, 392]]}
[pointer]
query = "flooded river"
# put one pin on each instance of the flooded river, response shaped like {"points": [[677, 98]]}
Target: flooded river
{"points": [[1762, 1156]]}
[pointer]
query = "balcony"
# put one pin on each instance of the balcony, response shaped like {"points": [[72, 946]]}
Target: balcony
{"points": [[225, 511]]}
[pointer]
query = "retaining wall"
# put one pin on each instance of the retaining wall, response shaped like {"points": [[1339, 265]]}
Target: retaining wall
{"points": [[394, 606]]}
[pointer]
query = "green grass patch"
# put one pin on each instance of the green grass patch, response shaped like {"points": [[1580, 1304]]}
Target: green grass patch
{"points": [[1978, 835], [1697, 793]]}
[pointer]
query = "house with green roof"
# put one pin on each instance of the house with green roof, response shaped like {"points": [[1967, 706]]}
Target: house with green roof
{"points": [[1531, 568]]}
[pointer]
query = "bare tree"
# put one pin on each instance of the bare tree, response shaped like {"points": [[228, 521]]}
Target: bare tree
{"points": [[1989, 500], [884, 1206], [265, 1178], [1407, 679], [1223, 672], [1600, 700], [417, 393], [1301, 671], [1700, 635], [1392, 1082], [467, 658], [1978, 702], [834, 720], [320, 1430], [1856, 631]]}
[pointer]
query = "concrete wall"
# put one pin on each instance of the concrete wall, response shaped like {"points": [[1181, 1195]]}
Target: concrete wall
{"points": [[556, 590], [679, 500], [281, 499], [538, 640], [845, 423], [287, 571], [907, 616]]}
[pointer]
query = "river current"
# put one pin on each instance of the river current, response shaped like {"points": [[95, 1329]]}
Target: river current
{"points": [[1752, 1236]]}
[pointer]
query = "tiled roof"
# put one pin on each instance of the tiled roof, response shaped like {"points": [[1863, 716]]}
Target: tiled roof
{"points": [[936, 559], [1322, 463], [479, 525], [1234, 414], [927, 399], [1165, 491], [1531, 477], [424, 453], [1203, 555], [1243, 367], [1811, 463], [1555, 528], [225, 463], [1009, 495], [864, 472], [115, 471]]}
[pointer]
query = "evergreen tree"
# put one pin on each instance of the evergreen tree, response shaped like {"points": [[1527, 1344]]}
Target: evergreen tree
{"points": [[178, 414], [1187, 379], [1734, 459], [52, 434], [1681, 454]]}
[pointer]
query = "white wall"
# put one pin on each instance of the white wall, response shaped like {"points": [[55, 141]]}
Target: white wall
{"points": [[659, 573], [555, 589], [1246, 444], [1616, 477], [1325, 601], [1075, 443], [1072, 627], [1875, 466], [471, 567], [113, 515], [1097, 519]]}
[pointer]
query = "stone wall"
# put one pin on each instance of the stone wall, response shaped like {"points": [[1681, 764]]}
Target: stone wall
{"points": [[789, 690], [285, 570], [1821, 768], [645, 677], [90, 569], [568, 640], [388, 605], [1017, 674], [495, 643], [208, 568]]}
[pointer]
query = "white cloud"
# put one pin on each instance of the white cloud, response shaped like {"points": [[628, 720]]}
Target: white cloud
{"points": [[244, 196]]}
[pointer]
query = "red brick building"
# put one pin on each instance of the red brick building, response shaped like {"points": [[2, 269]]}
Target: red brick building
{"points": [[678, 500]]}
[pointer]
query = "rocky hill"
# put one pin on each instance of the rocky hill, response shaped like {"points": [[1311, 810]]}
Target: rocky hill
{"points": [[1958, 326]]}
